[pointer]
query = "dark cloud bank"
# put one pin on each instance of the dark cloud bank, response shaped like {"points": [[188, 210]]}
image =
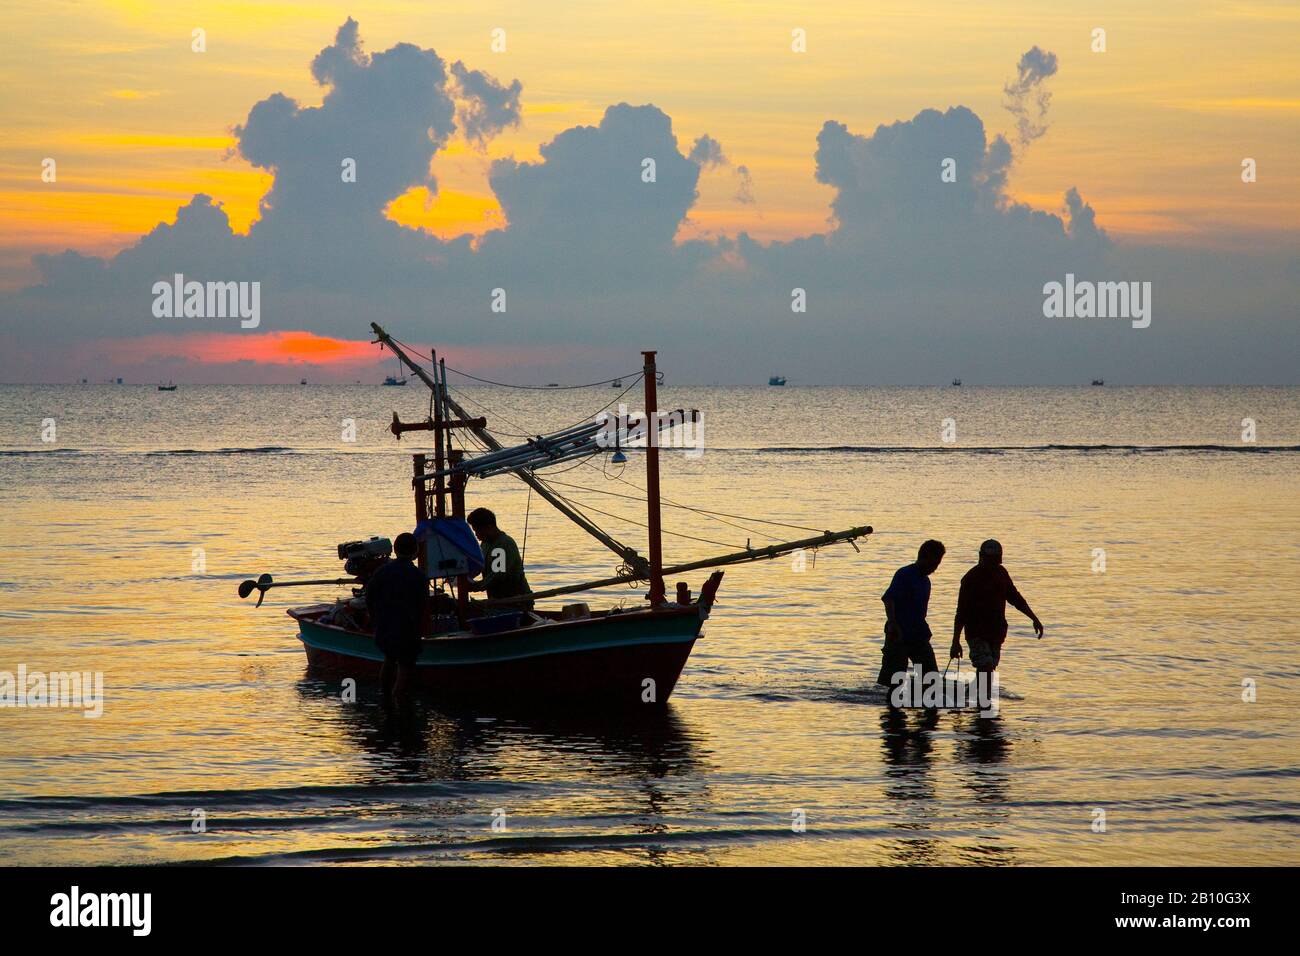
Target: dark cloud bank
{"points": [[914, 280]]}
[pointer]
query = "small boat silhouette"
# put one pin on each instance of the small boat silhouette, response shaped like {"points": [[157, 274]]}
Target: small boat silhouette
{"points": [[776, 380]]}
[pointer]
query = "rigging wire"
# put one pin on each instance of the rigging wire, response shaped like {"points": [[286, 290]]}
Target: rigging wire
{"points": [[702, 511], [583, 507], [541, 388], [528, 435], [488, 381], [676, 534], [716, 516]]}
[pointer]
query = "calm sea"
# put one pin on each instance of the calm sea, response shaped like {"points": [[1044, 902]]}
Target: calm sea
{"points": [[1155, 723]]}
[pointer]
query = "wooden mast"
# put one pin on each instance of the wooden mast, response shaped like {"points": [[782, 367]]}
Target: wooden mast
{"points": [[439, 455], [652, 480]]}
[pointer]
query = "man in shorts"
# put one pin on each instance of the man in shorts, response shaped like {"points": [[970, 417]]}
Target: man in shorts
{"points": [[986, 590]]}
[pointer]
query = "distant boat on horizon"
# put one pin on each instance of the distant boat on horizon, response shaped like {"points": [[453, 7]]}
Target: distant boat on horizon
{"points": [[399, 378], [169, 387], [956, 383], [303, 382], [1098, 381], [776, 380], [617, 383]]}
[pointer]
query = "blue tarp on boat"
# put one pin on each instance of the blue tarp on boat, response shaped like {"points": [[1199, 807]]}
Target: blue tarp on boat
{"points": [[456, 532]]}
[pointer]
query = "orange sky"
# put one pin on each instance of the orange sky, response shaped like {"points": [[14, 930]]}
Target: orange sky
{"points": [[1152, 131]]}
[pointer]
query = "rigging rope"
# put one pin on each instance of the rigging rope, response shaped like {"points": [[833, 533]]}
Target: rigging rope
{"points": [[676, 534], [488, 381], [584, 507], [702, 511]]}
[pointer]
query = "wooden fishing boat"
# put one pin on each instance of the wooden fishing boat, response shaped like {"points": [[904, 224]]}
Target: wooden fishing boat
{"points": [[629, 657], [510, 650]]}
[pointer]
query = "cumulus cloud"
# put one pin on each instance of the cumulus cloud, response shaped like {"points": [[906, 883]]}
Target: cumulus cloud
{"points": [[1026, 97], [612, 194], [487, 107], [389, 113], [1083, 219], [707, 152], [915, 277], [914, 244]]}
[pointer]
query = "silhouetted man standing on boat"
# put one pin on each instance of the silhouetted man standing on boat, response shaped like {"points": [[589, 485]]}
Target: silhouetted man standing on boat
{"points": [[395, 597], [907, 635], [986, 590], [503, 568]]}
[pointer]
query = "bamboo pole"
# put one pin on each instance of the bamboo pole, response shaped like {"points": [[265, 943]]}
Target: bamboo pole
{"points": [[737, 557]]}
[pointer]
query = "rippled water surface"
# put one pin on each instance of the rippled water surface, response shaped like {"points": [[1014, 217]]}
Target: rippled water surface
{"points": [[1132, 705]]}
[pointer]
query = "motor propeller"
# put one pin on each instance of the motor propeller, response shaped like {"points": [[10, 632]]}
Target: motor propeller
{"points": [[261, 584], [266, 582]]}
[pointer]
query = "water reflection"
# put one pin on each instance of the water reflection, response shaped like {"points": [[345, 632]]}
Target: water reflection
{"points": [[983, 749], [907, 749], [569, 766]]}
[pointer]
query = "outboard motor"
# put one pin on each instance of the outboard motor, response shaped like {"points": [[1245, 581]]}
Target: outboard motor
{"points": [[363, 558]]}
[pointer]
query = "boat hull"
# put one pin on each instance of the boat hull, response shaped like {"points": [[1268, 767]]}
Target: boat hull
{"points": [[558, 664]]}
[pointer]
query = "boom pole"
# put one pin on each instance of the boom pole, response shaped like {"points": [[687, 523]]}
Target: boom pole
{"points": [[737, 557]]}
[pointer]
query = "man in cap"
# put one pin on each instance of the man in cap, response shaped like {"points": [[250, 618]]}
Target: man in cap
{"points": [[986, 590]]}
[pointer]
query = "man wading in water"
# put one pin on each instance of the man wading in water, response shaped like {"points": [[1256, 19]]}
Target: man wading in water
{"points": [[986, 590], [395, 596], [907, 635]]}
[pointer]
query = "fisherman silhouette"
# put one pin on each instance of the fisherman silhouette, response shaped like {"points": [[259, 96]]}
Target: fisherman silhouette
{"points": [[907, 635], [986, 590], [395, 597]]}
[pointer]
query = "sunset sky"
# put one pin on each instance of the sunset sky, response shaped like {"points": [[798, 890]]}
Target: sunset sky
{"points": [[1152, 133]]}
